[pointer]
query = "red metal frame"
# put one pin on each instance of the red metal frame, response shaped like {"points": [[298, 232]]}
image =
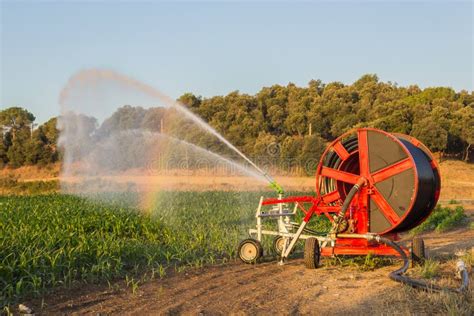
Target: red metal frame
{"points": [[330, 203], [344, 246]]}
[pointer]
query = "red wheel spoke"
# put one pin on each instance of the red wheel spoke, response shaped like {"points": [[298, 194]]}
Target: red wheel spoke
{"points": [[331, 197], [339, 175], [392, 170], [363, 153], [341, 151], [385, 208]]}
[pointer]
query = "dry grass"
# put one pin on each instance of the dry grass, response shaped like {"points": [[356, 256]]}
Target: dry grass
{"points": [[457, 179], [32, 173], [408, 301]]}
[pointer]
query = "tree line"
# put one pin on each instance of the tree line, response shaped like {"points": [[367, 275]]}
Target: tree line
{"points": [[284, 123], [21, 144]]}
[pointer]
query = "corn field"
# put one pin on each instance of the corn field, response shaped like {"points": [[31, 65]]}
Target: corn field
{"points": [[54, 240]]}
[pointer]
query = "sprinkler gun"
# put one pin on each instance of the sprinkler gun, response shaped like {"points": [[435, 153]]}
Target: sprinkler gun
{"points": [[273, 184]]}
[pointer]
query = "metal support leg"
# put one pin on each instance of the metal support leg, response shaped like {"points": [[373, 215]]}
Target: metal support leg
{"points": [[287, 251], [259, 220], [281, 227]]}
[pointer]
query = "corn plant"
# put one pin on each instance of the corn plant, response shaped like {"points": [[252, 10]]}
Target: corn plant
{"points": [[54, 240]]}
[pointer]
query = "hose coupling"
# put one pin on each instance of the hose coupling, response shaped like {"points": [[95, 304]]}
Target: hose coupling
{"points": [[460, 267], [361, 182]]}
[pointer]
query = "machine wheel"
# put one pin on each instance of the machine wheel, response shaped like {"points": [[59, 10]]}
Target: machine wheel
{"points": [[311, 253], [250, 250], [418, 255], [278, 243]]}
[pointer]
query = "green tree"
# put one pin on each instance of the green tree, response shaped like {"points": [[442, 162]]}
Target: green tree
{"points": [[291, 149], [18, 150], [272, 103], [3, 149], [16, 118], [33, 151], [394, 117], [298, 106], [153, 120], [266, 144], [41, 149], [313, 147], [191, 101], [17, 123], [464, 124], [50, 131], [429, 132], [318, 117], [125, 118], [277, 115]]}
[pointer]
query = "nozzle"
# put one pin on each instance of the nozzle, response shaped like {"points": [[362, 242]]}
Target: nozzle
{"points": [[275, 186]]}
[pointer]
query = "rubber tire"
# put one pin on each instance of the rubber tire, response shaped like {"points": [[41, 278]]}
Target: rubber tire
{"points": [[257, 245], [312, 253], [418, 255], [275, 245]]}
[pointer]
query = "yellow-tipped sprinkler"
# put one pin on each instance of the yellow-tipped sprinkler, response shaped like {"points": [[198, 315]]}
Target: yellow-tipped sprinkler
{"points": [[275, 186]]}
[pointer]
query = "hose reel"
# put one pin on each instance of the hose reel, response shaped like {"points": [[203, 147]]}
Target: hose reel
{"points": [[403, 181], [372, 185]]}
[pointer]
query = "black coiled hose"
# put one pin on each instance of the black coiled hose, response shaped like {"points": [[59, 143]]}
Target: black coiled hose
{"points": [[398, 276], [332, 160]]}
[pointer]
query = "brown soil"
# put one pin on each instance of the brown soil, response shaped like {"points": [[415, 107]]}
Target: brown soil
{"points": [[269, 288]]}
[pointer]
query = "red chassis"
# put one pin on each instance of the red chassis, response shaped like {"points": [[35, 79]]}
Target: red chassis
{"points": [[311, 206]]}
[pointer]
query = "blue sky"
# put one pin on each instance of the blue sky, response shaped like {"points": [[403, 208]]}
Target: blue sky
{"points": [[214, 48]]}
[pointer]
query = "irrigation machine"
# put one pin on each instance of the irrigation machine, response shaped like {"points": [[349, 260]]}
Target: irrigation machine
{"points": [[372, 186]]}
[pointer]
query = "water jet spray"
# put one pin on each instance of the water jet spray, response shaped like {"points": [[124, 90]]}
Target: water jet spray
{"points": [[91, 77]]}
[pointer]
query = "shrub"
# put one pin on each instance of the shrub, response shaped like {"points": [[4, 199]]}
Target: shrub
{"points": [[442, 219]]}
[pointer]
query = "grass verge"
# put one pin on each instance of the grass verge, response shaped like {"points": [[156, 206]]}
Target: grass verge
{"points": [[408, 301], [362, 263], [10, 185], [442, 219]]}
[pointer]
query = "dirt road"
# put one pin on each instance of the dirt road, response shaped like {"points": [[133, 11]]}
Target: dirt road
{"points": [[266, 288]]}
